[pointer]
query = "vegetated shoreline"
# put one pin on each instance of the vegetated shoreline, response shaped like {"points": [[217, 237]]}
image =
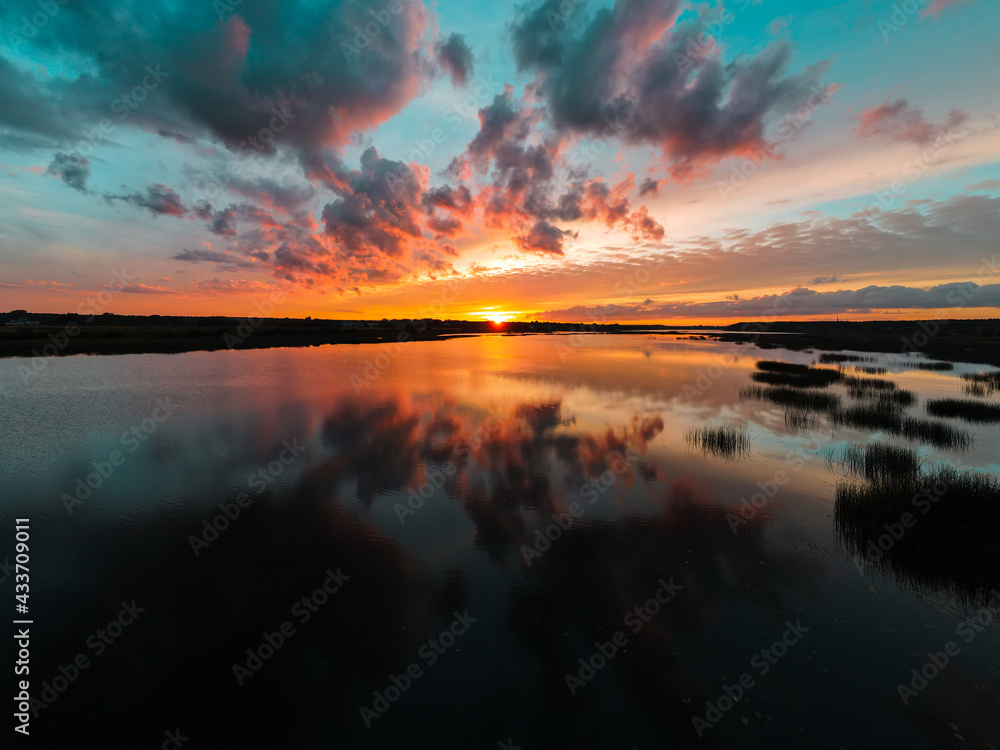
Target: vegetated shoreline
{"points": [[972, 341]]}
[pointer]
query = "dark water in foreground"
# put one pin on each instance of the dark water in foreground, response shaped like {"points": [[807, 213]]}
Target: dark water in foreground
{"points": [[453, 609]]}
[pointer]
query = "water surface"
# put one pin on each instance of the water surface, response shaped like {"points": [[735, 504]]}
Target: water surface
{"points": [[425, 477]]}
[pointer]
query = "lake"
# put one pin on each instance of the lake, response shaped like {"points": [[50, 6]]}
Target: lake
{"points": [[501, 542]]}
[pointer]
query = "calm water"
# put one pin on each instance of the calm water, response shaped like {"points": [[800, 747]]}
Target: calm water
{"points": [[320, 457]]}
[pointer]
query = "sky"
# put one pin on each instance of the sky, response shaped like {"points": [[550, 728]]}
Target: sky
{"points": [[572, 160]]}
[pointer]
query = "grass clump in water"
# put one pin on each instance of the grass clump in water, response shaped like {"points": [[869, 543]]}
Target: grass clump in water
{"points": [[925, 530], [967, 409], [937, 434], [982, 383], [770, 365], [879, 462], [884, 399], [798, 399], [723, 442], [888, 417], [811, 377], [832, 358], [860, 385], [799, 420], [928, 365]]}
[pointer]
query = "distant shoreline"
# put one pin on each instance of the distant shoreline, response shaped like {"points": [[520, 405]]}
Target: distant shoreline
{"points": [[973, 341]]}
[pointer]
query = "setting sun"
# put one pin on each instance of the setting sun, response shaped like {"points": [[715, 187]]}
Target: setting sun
{"points": [[496, 317]]}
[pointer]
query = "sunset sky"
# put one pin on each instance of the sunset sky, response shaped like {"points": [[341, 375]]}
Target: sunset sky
{"points": [[646, 160]]}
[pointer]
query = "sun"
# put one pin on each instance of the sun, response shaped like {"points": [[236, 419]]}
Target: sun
{"points": [[496, 317]]}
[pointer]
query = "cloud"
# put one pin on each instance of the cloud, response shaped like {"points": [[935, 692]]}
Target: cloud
{"points": [[799, 302], [144, 289], [456, 58], [985, 185], [72, 169], [222, 259], [524, 193], [221, 80], [649, 186], [158, 198], [633, 74], [900, 121], [543, 238]]}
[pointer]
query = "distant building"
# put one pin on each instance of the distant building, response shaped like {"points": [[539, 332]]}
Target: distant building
{"points": [[22, 322]]}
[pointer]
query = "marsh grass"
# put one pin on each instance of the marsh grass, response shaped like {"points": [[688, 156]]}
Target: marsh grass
{"points": [[888, 417], [898, 398], [799, 420], [853, 382], [808, 378], [832, 358], [806, 400], [722, 442], [971, 411], [982, 383], [879, 404], [935, 433], [770, 365], [878, 462], [926, 365], [951, 540]]}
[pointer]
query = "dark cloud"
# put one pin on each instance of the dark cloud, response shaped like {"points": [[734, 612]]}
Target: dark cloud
{"points": [[158, 198], [221, 259], [543, 238], [72, 169], [649, 186], [289, 73], [273, 193], [379, 210], [455, 57], [633, 75], [800, 302]]}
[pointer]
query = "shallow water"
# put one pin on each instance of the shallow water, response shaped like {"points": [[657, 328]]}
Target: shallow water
{"points": [[424, 478]]}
